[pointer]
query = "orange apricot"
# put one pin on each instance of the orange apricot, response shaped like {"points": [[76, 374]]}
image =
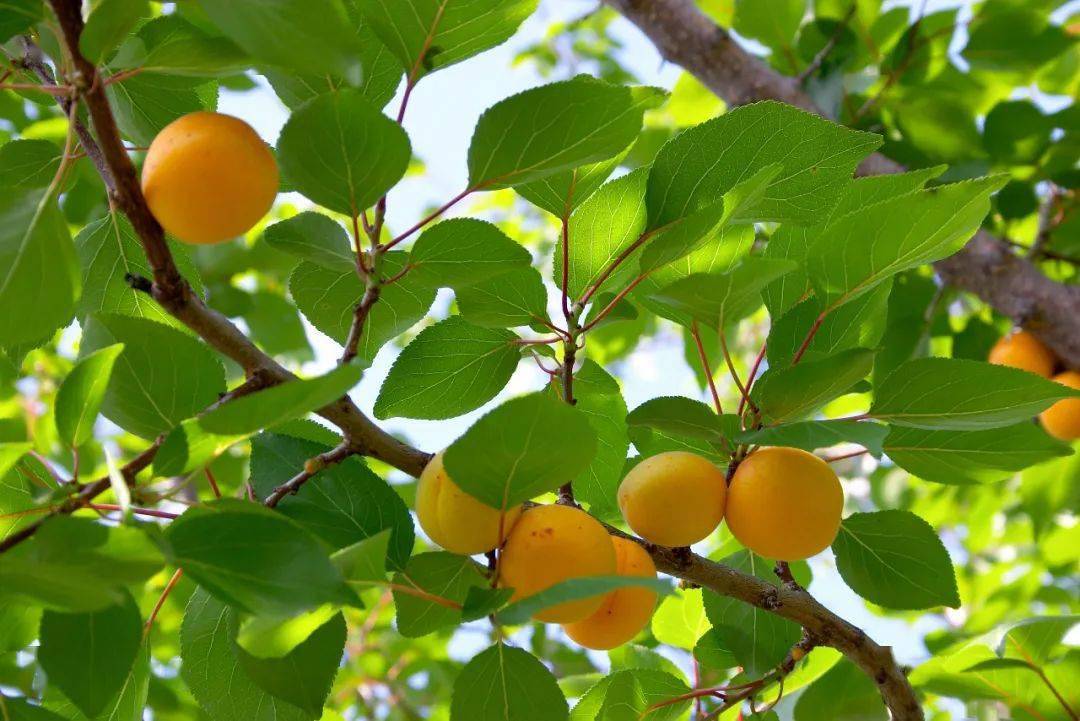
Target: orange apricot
{"points": [[673, 499], [1024, 351], [784, 504], [624, 611], [208, 177], [455, 520], [1062, 420], [551, 544]]}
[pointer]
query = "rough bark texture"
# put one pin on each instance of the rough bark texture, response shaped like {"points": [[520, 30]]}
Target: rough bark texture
{"points": [[987, 268]]}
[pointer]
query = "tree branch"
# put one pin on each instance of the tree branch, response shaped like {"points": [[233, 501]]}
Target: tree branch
{"points": [[985, 267]]}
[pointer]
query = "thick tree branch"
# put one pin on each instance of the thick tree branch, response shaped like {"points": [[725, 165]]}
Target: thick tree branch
{"points": [[1012, 286]]}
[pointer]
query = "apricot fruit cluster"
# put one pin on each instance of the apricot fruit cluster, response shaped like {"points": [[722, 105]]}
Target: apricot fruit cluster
{"points": [[1023, 350], [208, 177], [782, 503]]}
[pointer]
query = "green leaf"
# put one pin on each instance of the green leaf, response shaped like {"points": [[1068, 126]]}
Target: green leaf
{"points": [[683, 236], [1016, 132], [188, 447], [210, 666], [1037, 640], [19, 623], [280, 403], [145, 103], [109, 250], [575, 589], [364, 560], [854, 253], [720, 298], [304, 676], [162, 377], [758, 639], [948, 393], [327, 299], [127, 705], [28, 163], [791, 393], [38, 268], [1047, 488], [629, 695], [449, 369], [812, 435], [88, 655], [341, 152], [551, 128], [894, 559], [680, 620], [525, 447], [273, 637], [308, 35], [599, 398], [505, 683], [1015, 38], [15, 490], [480, 602], [430, 576], [561, 193], [108, 24], [254, 559], [79, 397], [314, 237], [170, 44], [600, 228], [75, 564], [426, 35], [18, 16], [674, 423], [512, 299], [18, 709], [341, 504], [858, 324], [844, 693], [959, 457], [701, 164], [464, 251], [773, 23]]}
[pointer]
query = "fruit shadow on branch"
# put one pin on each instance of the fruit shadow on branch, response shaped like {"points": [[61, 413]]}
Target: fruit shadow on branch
{"points": [[986, 267], [175, 295]]}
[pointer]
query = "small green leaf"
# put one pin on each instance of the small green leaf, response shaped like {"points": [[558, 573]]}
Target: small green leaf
{"points": [[79, 397], [38, 268], [575, 589], [108, 24], [430, 592], [464, 251], [560, 194], [525, 447], [280, 403], [512, 299], [308, 35], [275, 636], [525, 137], [791, 393], [341, 152], [426, 35], [959, 457], [680, 620], [675, 423], [894, 559], [163, 376], [314, 237], [948, 393], [364, 560], [88, 655], [773, 23], [505, 683], [597, 395], [1037, 640], [632, 695], [715, 298], [813, 435], [254, 559], [449, 369]]}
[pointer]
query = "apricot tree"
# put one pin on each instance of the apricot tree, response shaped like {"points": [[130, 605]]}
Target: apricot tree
{"points": [[864, 243]]}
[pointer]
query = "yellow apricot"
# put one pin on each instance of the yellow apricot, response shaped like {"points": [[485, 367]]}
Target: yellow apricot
{"points": [[784, 504], [1062, 420], [551, 544], [1024, 351], [674, 498], [208, 177], [455, 520], [624, 611]]}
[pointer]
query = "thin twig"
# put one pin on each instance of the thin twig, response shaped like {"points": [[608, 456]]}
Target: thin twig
{"points": [[313, 466], [706, 367]]}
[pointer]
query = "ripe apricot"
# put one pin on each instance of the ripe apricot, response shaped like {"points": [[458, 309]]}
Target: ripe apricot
{"points": [[1062, 420], [624, 611], [1024, 351], [209, 177], [454, 519], [550, 544], [784, 504], [674, 498]]}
